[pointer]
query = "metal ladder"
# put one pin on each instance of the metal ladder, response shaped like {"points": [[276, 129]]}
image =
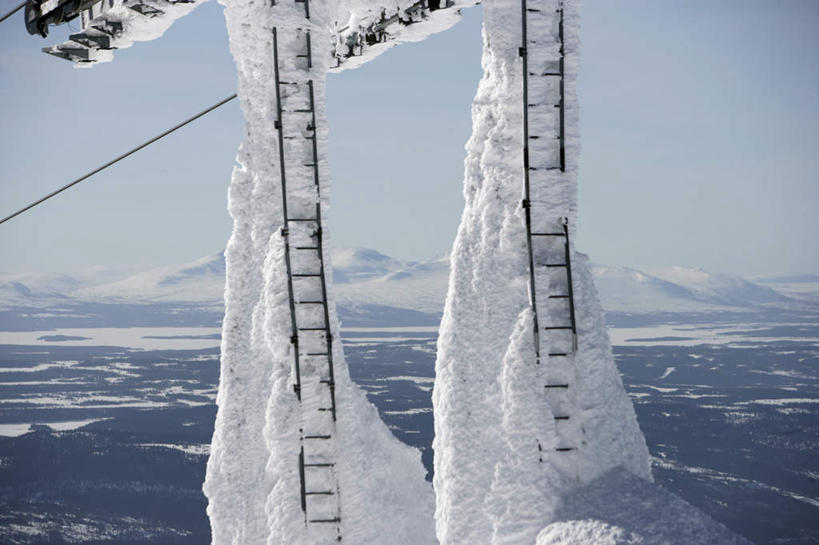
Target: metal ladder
{"points": [[311, 337], [549, 250]]}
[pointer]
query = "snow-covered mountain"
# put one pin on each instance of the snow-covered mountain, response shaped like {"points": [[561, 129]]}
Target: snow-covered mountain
{"points": [[720, 288], [365, 279], [799, 286], [679, 289], [416, 286], [360, 264], [200, 281]]}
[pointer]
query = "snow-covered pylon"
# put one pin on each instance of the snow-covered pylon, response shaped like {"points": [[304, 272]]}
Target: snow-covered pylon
{"points": [[299, 456], [528, 402]]}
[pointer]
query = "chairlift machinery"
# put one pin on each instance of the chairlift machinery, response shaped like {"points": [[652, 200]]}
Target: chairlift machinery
{"points": [[107, 25]]}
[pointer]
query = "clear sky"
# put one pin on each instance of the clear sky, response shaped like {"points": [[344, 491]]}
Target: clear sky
{"points": [[700, 127]]}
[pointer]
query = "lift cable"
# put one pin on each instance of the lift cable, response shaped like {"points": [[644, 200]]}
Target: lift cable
{"points": [[120, 158], [12, 12]]}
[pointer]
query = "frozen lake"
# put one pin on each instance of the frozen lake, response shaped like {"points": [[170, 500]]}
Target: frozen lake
{"points": [[730, 414]]}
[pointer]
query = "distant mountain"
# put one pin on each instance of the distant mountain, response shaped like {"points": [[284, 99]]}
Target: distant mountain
{"points": [[372, 288], [201, 281], [622, 289], [804, 287], [38, 287], [720, 288], [46, 287], [358, 264], [416, 286]]}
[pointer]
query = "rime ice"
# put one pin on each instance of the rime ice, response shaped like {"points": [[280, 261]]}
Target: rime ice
{"points": [[523, 422]]}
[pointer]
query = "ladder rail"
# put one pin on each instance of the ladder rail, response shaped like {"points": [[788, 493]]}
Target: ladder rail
{"points": [[331, 384], [526, 185], [562, 95], [556, 351], [313, 513], [294, 336], [569, 283]]}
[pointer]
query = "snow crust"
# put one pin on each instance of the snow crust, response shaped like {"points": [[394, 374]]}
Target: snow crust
{"points": [[357, 18], [621, 509]]}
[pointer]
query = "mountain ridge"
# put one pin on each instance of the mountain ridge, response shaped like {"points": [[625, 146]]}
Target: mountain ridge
{"points": [[364, 276]]}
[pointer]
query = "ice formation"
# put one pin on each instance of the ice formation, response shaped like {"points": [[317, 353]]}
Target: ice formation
{"points": [[519, 430], [360, 474], [498, 474]]}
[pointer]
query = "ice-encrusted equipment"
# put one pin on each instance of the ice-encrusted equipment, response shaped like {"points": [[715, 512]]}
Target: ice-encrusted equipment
{"points": [[107, 25], [311, 337], [102, 23], [549, 249]]}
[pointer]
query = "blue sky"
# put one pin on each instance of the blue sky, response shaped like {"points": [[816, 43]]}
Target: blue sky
{"points": [[699, 126]]}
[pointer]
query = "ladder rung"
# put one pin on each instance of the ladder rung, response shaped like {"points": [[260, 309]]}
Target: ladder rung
{"points": [[309, 164], [557, 264], [555, 385], [558, 354], [312, 329], [558, 297], [558, 327], [336, 519], [319, 493], [309, 302], [306, 275], [548, 234], [556, 418], [303, 219], [328, 382], [565, 449], [306, 248], [328, 464], [317, 436], [317, 354]]}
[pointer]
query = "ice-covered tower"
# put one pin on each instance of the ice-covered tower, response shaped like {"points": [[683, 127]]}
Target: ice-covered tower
{"points": [[528, 403], [299, 456]]}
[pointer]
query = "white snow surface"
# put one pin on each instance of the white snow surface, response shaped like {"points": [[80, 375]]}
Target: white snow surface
{"points": [[621, 509], [498, 478]]}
